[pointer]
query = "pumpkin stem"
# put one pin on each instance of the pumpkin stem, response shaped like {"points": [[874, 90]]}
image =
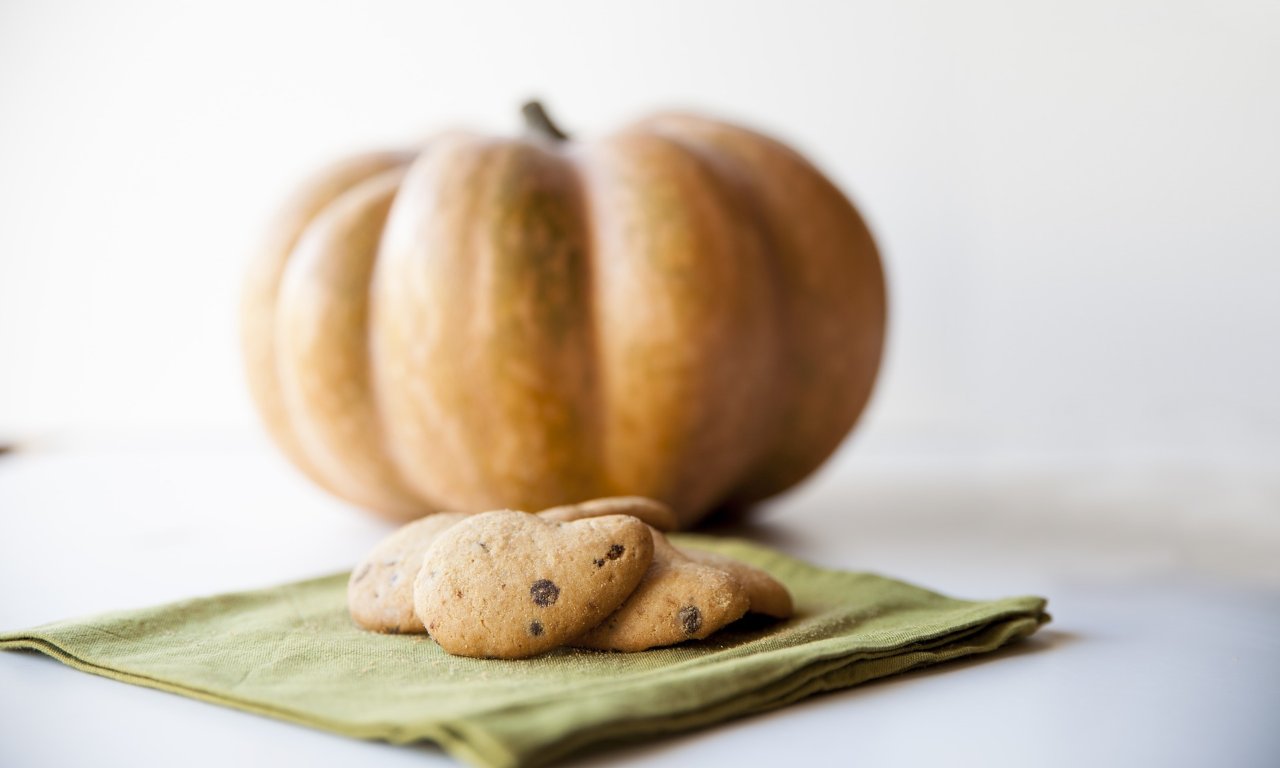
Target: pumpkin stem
{"points": [[539, 123]]}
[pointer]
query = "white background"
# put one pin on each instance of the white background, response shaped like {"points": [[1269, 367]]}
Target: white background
{"points": [[1079, 207], [1078, 202]]}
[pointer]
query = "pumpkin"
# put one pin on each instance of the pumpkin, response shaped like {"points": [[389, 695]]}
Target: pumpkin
{"points": [[685, 310]]}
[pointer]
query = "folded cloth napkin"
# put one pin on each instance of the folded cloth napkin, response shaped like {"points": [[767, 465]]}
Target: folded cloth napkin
{"points": [[291, 652]]}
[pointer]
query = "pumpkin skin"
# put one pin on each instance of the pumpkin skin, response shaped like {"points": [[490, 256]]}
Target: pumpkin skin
{"points": [[685, 310]]}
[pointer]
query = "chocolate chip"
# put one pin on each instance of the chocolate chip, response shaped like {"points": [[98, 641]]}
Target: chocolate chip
{"points": [[483, 546], [458, 594], [544, 592], [599, 562], [535, 628], [690, 618], [616, 551]]}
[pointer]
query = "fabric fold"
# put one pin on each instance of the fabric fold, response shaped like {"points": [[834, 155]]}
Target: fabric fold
{"points": [[292, 653]]}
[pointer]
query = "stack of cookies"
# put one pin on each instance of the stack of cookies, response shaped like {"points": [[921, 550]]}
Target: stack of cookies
{"points": [[599, 574]]}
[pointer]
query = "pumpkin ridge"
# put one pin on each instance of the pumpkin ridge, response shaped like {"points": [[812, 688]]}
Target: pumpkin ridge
{"points": [[395, 289], [571, 155], [259, 305], [323, 336], [834, 297], [538, 285], [504, 415], [685, 345], [739, 179]]}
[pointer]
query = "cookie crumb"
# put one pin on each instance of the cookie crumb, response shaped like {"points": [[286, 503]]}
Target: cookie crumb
{"points": [[690, 619], [544, 592]]}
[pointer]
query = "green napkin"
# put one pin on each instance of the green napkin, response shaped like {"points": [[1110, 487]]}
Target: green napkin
{"points": [[291, 652]]}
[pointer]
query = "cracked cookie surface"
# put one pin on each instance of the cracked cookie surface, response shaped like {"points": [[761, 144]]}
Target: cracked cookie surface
{"points": [[765, 594], [655, 513], [509, 584], [679, 599], [380, 590]]}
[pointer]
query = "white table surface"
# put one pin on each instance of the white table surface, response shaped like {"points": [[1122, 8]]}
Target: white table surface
{"points": [[1164, 587]]}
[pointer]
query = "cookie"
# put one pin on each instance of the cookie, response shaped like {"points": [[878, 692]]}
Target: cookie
{"points": [[655, 513], [380, 590], [510, 584], [765, 594], [679, 599]]}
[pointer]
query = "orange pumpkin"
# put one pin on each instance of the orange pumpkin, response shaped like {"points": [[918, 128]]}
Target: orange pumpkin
{"points": [[684, 309]]}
